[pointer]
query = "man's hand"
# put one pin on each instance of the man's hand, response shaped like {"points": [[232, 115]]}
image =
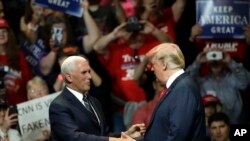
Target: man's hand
{"points": [[136, 130], [127, 137]]}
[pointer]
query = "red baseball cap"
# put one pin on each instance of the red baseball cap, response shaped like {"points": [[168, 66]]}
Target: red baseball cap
{"points": [[209, 99], [3, 23]]}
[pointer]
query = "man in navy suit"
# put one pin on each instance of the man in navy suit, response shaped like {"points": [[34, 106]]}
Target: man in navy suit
{"points": [[70, 119], [179, 115]]}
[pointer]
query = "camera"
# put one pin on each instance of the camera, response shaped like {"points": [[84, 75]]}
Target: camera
{"points": [[214, 55], [57, 35], [133, 25], [2, 85], [13, 109], [3, 104]]}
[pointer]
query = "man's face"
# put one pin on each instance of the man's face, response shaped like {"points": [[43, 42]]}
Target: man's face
{"points": [[81, 77], [210, 109], [219, 131]]}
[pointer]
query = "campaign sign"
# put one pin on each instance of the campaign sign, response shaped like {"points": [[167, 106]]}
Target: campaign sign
{"points": [[222, 18], [71, 7], [33, 118]]}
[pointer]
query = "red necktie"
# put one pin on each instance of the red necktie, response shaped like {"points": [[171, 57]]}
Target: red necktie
{"points": [[163, 91]]}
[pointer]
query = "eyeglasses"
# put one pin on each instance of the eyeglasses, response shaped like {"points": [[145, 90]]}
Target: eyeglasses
{"points": [[36, 91], [3, 30]]}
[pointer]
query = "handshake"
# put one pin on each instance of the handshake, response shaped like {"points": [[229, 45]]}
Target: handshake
{"points": [[135, 131]]}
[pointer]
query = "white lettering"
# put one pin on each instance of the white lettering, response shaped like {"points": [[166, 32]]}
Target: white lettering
{"points": [[240, 132], [60, 3], [223, 19], [222, 9], [226, 46], [222, 30]]}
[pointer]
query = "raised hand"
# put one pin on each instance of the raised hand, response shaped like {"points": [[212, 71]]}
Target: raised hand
{"points": [[9, 120]]}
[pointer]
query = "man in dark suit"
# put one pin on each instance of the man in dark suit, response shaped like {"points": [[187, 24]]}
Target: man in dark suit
{"points": [[75, 119], [179, 115]]}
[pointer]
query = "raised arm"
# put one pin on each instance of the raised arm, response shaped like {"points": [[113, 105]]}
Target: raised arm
{"points": [[30, 29], [100, 45], [93, 30], [120, 14], [178, 8], [149, 28]]}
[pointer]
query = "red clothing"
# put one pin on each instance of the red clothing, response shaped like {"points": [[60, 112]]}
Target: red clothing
{"points": [[143, 114], [121, 64], [15, 80], [167, 23]]}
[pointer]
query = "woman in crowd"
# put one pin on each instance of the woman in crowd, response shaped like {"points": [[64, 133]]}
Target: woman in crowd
{"points": [[13, 65]]}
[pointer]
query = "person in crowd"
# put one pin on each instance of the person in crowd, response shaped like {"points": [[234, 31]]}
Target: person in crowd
{"points": [[8, 119], [181, 98], [107, 17], [1, 9], [225, 79], [212, 105], [34, 45], [14, 66], [123, 49], [164, 18], [32, 20], [74, 114], [36, 88], [219, 126], [144, 113], [43, 59], [62, 54]]}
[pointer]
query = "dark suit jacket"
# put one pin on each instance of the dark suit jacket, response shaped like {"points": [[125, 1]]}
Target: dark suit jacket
{"points": [[179, 115], [71, 121]]}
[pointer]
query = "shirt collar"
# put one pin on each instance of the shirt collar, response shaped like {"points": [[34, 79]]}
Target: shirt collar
{"points": [[173, 77], [78, 95]]}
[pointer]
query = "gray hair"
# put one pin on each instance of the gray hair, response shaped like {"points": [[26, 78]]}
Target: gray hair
{"points": [[69, 64]]}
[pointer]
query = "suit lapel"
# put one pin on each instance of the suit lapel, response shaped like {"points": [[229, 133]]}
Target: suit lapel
{"points": [[76, 103]]}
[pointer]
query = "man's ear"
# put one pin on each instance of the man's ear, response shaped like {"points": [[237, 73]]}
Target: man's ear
{"points": [[68, 78], [164, 65]]}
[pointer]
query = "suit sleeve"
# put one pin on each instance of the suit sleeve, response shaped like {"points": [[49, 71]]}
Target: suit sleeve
{"points": [[64, 126]]}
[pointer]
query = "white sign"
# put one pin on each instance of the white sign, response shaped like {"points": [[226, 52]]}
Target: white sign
{"points": [[33, 117]]}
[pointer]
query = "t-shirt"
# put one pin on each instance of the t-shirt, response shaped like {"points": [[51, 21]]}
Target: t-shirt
{"points": [[120, 64], [15, 80], [166, 23]]}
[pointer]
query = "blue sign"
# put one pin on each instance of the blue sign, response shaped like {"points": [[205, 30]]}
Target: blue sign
{"points": [[222, 18], [71, 7]]}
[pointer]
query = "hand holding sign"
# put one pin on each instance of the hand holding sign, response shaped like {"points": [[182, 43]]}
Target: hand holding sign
{"points": [[37, 13], [72, 7], [85, 4]]}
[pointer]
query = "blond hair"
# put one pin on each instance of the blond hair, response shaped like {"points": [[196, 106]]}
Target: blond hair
{"points": [[169, 53], [36, 80]]}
